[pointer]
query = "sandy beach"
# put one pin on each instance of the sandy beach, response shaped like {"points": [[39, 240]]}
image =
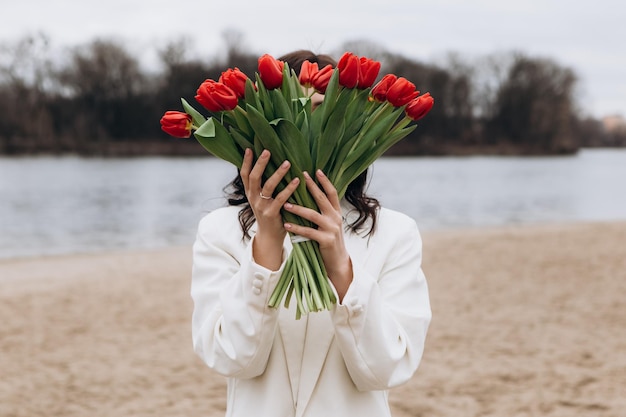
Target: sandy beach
{"points": [[527, 321]]}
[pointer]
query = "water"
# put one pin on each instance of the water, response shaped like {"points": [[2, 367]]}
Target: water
{"points": [[52, 205]]}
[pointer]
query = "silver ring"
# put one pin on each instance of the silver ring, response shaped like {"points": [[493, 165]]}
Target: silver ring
{"points": [[264, 197]]}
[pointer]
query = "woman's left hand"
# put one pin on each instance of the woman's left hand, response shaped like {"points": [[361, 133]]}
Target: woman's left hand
{"points": [[329, 232]]}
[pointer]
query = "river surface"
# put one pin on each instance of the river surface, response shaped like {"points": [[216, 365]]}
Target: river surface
{"points": [[54, 205]]}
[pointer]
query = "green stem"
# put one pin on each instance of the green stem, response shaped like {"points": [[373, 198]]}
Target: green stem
{"points": [[289, 293], [320, 275], [401, 124], [298, 290], [282, 284], [306, 293], [241, 110]]}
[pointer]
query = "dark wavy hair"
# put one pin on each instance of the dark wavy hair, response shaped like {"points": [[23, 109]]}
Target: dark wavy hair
{"points": [[365, 205]]}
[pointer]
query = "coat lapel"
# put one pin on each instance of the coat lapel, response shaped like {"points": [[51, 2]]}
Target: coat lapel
{"points": [[319, 336], [293, 334]]}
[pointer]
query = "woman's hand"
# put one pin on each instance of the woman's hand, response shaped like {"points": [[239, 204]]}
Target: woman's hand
{"points": [[267, 248], [329, 233]]}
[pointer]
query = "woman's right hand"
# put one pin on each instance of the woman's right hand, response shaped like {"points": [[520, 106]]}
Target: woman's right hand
{"points": [[267, 248]]}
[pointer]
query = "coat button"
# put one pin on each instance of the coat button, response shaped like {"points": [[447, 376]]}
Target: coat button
{"points": [[257, 283], [256, 291], [356, 308]]}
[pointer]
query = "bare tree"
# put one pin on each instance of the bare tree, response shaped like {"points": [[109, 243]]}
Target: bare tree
{"points": [[535, 107], [25, 83], [105, 82], [102, 69]]}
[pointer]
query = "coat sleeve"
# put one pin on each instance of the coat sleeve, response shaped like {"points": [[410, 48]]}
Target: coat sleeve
{"points": [[232, 327], [382, 322]]}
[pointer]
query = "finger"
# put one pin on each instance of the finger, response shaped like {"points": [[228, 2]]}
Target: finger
{"points": [[318, 195], [306, 232], [329, 189], [306, 213], [256, 174], [272, 182], [282, 197], [246, 166]]}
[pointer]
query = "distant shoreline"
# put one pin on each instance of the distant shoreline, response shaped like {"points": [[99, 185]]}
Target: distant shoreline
{"points": [[189, 147]]}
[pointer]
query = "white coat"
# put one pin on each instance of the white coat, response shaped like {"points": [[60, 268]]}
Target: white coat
{"points": [[331, 363]]}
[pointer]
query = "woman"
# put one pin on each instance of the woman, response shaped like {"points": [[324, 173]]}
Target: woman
{"points": [[331, 363]]}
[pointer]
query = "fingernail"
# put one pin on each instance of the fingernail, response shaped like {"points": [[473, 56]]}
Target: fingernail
{"points": [[288, 205], [295, 180], [247, 151], [306, 175], [285, 164], [265, 153], [320, 173], [287, 226]]}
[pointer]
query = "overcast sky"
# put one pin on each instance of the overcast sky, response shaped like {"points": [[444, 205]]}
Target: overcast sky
{"points": [[585, 36]]}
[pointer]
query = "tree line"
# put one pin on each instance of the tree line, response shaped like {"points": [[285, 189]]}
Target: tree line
{"points": [[99, 100]]}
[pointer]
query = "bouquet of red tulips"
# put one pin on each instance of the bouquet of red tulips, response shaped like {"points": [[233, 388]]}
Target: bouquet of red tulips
{"points": [[355, 124]]}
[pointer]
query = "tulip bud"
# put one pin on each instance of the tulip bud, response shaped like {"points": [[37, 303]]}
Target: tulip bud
{"points": [[322, 78], [368, 71], [348, 70], [379, 92], [401, 92], [419, 107], [176, 124], [271, 71], [236, 80], [216, 96], [307, 72]]}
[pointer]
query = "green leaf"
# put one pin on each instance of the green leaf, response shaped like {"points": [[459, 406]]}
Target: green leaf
{"points": [[269, 139], [207, 129], [291, 89], [332, 91], [243, 142], [302, 122], [198, 119], [251, 96], [266, 105], [356, 112], [393, 138], [217, 140], [282, 109], [242, 123], [298, 148], [368, 158], [266, 134], [333, 132], [374, 129]]}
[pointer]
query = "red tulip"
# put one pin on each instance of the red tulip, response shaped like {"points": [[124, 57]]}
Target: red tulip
{"points": [[348, 70], [307, 72], [401, 92], [216, 96], [176, 124], [322, 78], [271, 71], [379, 92], [236, 80], [368, 71], [419, 107]]}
